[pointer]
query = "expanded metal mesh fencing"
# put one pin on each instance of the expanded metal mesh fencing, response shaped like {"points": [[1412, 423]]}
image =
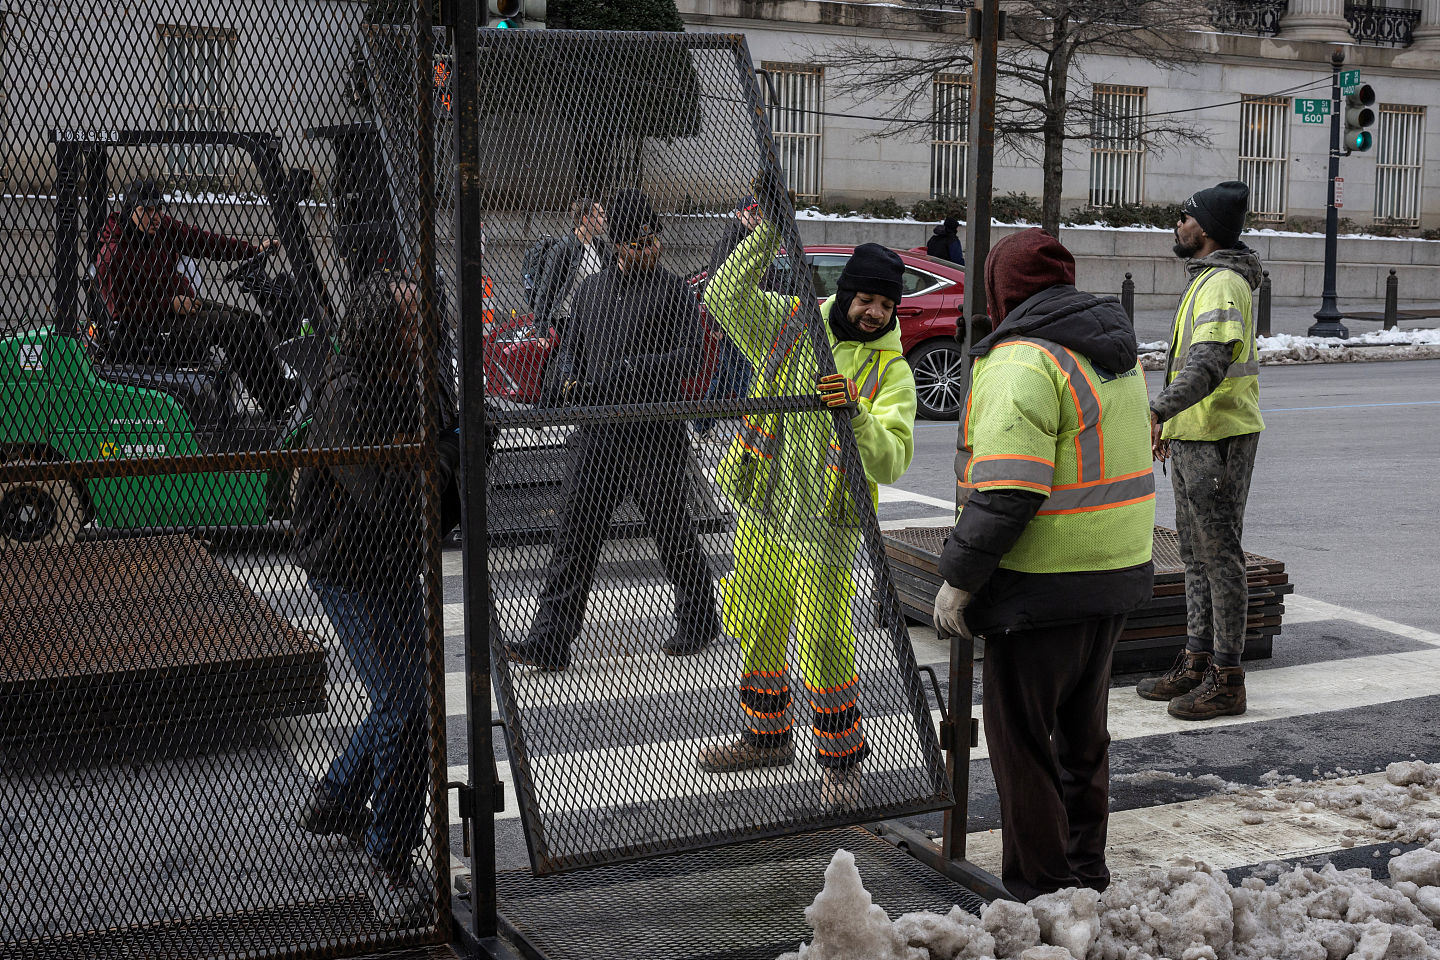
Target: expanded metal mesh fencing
{"points": [[226, 467], [694, 631]]}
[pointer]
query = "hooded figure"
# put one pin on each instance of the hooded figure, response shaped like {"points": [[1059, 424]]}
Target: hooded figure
{"points": [[1208, 417], [945, 242], [798, 530], [1050, 551]]}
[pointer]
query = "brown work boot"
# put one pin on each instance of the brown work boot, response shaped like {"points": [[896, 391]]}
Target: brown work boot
{"points": [[840, 789], [1182, 677], [1221, 694], [741, 754]]}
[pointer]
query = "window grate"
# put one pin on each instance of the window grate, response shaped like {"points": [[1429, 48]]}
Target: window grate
{"points": [[197, 66], [792, 95], [1117, 149], [1264, 154], [1399, 161], [950, 134]]}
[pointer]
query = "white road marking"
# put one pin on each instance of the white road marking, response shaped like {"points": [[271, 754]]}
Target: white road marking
{"points": [[889, 494], [1300, 609]]}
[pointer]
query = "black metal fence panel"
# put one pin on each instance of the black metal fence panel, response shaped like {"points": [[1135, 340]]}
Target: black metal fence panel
{"points": [[227, 449], [694, 631]]}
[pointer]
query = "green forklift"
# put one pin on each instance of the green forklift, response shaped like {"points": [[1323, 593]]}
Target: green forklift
{"points": [[63, 398]]}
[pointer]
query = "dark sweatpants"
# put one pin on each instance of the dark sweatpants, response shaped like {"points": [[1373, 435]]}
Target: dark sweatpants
{"points": [[1045, 705], [1212, 483], [607, 463]]}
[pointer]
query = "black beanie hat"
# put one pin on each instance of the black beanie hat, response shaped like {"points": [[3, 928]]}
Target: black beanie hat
{"points": [[144, 192], [631, 216], [1220, 211], [873, 269]]}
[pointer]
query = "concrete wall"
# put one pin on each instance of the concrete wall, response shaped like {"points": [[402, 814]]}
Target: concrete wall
{"points": [[1103, 257]]}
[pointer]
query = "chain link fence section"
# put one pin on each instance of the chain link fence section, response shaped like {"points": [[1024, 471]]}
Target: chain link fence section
{"points": [[227, 450], [694, 631]]}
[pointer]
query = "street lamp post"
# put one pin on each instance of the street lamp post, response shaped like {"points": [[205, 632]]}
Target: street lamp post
{"points": [[1327, 318]]}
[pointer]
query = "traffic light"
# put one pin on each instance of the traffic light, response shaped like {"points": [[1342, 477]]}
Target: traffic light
{"points": [[1359, 118], [516, 14]]}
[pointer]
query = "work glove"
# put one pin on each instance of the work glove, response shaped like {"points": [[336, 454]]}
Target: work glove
{"points": [[950, 604], [839, 391]]}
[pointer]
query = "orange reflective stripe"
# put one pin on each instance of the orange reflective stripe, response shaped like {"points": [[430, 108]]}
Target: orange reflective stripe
{"points": [[1103, 506], [1089, 443], [994, 469], [1102, 495]]}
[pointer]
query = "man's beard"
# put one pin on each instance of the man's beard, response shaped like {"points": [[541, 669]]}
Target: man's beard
{"points": [[1185, 251]]}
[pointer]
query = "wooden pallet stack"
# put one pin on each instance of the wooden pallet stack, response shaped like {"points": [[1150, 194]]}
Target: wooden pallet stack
{"points": [[1154, 634]]}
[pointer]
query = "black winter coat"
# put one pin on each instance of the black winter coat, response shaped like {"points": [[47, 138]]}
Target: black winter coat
{"points": [[361, 526], [993, 520], [631, 338], [558, 274]]}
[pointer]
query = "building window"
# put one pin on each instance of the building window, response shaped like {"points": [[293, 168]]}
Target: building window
{"points": [[949, 134], [1117, 149], [1265, 153], [196, 69], [792, 98], [1399, 153]]}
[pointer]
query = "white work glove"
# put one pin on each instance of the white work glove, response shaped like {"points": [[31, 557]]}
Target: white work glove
{"points": [[950, 605]]}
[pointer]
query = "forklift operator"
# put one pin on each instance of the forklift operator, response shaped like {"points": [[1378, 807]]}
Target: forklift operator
{"points": [[150, 300]]}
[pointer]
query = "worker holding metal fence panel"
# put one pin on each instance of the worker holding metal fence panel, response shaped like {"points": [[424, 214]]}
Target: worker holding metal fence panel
{"points": [[798, 532]]}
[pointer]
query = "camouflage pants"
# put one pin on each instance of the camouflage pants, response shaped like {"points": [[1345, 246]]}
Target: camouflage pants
{"points": [[1212, 481]]}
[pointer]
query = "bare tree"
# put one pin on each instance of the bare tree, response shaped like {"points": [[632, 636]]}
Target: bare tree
{"points": [[1044, 93]]}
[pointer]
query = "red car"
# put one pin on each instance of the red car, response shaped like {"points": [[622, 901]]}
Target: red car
{"points": [[516, 353]]}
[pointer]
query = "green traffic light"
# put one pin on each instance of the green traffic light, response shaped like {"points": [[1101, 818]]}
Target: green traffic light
{"points": [[503, 25]]}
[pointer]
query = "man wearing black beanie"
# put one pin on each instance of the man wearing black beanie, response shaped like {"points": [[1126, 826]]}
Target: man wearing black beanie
{"points": [[1208, 418], [798, 531]]}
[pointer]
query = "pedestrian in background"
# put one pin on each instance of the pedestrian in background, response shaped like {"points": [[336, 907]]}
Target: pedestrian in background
{"points": [[358, 533], [634, 335], [1050, 551], [583, 253], [945, 242], [1207, 420]]}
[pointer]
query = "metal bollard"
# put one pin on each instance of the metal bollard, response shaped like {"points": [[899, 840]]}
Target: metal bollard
{"points": [[1127, 298], [1392, 300], [1262, 309]]}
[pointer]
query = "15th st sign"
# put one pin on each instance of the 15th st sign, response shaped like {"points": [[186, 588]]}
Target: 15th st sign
{"points": [[1312, 111]]}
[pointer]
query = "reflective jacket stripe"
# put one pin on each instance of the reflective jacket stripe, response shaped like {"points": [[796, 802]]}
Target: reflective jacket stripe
{"points": [[790, 333], [1116, 492], [757, 439], [1021, 469], [871, 385], [1089, 443]]}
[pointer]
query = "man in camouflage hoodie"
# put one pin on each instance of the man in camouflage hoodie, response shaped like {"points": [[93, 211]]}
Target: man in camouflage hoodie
{"points": [[1208, 419]]}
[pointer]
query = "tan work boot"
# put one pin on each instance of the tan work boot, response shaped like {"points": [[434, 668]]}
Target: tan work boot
{"points": [[1182, 677], [740, 754], [1221, 694], [840, 789]]}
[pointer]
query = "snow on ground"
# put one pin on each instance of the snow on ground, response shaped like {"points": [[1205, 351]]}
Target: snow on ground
{"points": [[1188, 910], [1285, 348]]}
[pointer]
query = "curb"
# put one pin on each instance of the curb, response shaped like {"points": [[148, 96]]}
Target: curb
{"points": [[1357, 353]]}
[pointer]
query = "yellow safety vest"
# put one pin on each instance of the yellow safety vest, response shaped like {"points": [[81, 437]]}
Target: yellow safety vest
{"points": [[1042, 418], [1216, 309]]}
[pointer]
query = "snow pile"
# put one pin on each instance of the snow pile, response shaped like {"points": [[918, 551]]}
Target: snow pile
{"points": [[1188, 910], [1286, 348]]}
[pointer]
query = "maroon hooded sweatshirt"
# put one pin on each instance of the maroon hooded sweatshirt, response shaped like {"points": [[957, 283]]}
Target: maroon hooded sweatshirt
{"points": [[138, 272]]}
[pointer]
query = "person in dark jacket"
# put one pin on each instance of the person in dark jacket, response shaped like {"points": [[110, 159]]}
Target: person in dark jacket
{"points": [[582, 254], [148, 297], [358, 533], [732, 370], [633, 337], [945, 242], [1050, 552]]}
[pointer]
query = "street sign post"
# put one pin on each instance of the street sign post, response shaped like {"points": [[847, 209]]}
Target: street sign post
{"points": [[1327, 318], [1339, 192], [1312, 111]]}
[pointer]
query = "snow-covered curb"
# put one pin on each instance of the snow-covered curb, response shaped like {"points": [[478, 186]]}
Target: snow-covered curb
{"points": [[1284, 348], [1188, 910]]}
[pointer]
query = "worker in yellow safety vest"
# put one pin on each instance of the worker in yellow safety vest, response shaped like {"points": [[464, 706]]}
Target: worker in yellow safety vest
{"points": [[798, 530], [1050, 551], [1208, 419]]}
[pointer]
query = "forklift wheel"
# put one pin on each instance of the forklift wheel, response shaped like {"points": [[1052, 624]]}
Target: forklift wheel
{"points": [[44, 512]]}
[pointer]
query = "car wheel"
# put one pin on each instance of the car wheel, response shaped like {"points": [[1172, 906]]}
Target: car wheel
{"points": [[939, 379], [43, 512]]}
